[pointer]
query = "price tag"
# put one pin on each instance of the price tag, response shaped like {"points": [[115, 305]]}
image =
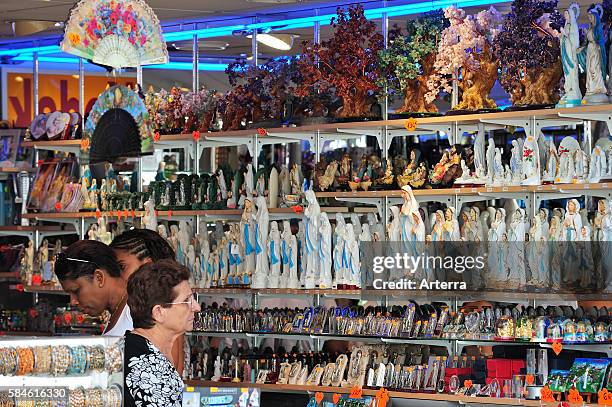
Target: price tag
{"points": [[546, 395], [574, 397], [356, 393], [411, 124], [382, 397], [529, 379], [557, 347], [336, 398], [604, 397], [467, 383], [169, 214], [319, 397], [98, 214]]}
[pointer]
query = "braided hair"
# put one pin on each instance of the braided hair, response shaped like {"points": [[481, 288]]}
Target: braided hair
{"points": [[143, 243]]}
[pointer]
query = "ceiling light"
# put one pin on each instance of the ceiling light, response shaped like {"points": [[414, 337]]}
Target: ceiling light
{"points": [[283, 42]]}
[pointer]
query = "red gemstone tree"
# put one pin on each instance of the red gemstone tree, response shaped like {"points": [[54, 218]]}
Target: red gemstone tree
{"points": [[347, 63]]}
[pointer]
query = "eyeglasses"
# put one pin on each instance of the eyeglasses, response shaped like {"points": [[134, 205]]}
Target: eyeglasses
{"points": [[193, 300]]}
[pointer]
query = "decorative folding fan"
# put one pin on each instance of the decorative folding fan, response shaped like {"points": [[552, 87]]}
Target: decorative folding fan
{"points": [[116, 33], [118, 126]]}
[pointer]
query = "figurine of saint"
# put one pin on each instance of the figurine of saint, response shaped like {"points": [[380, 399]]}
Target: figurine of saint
{"points": [[572, 222], [550, 174], [582, 165], [354, 262], [491, 159], [480, 163], [262, 227], [585, 256], [515, 162], [593, 59], [598, 167], [394, 227], [340, 255], [274, 255], [496, 275], [570, 42], [498, 168], [516, 250], [312, 214], [285, 258], [203, 279], [325, 252], [27, 263], [285, 181], [149, 220], [223, 261], [295, 180], [531, 162], [571, 226], [249, 181], [247, 233], [103, 234], [566, 166], [93, 195]]}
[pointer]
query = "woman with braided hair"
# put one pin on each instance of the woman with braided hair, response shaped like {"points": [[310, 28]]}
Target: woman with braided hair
{"points": [[136, 247]]}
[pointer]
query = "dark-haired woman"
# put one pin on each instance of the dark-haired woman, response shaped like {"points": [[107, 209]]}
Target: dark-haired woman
{"points": [[88, 270], [163, 308], [136, 247]]}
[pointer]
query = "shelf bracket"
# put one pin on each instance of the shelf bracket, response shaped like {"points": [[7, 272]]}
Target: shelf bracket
{"points": [[599, 117], [187, 145], [378, 202]]}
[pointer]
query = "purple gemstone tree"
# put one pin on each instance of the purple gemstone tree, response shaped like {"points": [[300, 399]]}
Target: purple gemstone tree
{"points": [[528, 52]]}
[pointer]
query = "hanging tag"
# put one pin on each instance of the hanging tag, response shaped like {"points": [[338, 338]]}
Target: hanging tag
{"points": [[319, 397], [356, 393], [557, 347]]}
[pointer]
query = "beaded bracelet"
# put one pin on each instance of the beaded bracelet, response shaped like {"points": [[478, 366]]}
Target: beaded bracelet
{"points": [[76, 398], [113, 396], [42, 360], [114, 359], [78, 360], [8, 361], [60, 360], [26, 361], [6, 400], [26, 403], [94, 397], [95, 358]]}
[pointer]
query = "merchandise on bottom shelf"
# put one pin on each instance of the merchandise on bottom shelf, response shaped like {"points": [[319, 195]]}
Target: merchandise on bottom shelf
{"points": [[489, 323], [71, 372]]}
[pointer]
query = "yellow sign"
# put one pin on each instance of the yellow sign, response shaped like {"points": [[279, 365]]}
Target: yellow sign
{"points": [[55, 92]]}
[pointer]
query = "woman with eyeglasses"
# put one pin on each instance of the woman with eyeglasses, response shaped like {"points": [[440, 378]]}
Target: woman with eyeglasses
{"points": [[162, 307]]}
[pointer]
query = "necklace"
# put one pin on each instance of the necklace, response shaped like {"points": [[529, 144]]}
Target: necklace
{"points": [[112, 315]]}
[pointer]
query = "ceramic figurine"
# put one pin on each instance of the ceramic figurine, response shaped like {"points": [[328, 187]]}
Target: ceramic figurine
{"points": [[570, 42], [236, 255], [93, 195], [585, 256], [302, 263], [603, 236], [566, 167], [484, 224], [552, 164], [274, 255], [190, 263], [498, 169], [497, 267], [354, 264], [249, 181], [290, 240], [325, 252], [466, 176], [593, 59], [480, 163], [581, 159], [356, 222], [326, 180], [411, 176], [84, 188], [377, 228], [346, 169], [516, 163], [572, 223], [531, 162], [285, 236], [312, 214], [451, 226], [447, 170], [412, 227], [516, 250], [149, 220], [599, 164], [213, 262], [262, 227], [296, 180], [491, 160], [273, 188], [205, 277], [27, 263], [260, 186], [103, 234], [340, 254], [285, 181], [223, 261], [538, 254], [393, 228], [247, 234], [386, 180]]}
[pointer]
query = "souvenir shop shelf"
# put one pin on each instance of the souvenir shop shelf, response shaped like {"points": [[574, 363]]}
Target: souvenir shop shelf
{"points": [[295, 388], [75, 368], [41, 289]]}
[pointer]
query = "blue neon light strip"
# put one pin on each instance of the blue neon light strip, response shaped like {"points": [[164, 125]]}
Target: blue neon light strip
{"points": [[180, 66], [294, 23]]}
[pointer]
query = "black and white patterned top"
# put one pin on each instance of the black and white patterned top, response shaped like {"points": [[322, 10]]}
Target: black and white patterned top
{"points": [[150, 379]]}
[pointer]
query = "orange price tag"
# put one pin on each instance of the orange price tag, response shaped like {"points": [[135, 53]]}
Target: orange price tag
{"points": [[336, 398], [98, 214], [119, 213], [411, 124], [297, 209], [604, 397], [126, 214], [356, 393], [382, 396], [262, 132], [467, 383], [546, 395], [574, 397], [529, 379], [319, 397], [133, 214], [557, 347], [169, 214], [156, 136]]}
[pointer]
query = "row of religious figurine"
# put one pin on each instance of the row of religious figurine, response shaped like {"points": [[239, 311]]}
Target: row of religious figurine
{"points": [[37, 265], [257, 252], [590, 58], [531, 163]]}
